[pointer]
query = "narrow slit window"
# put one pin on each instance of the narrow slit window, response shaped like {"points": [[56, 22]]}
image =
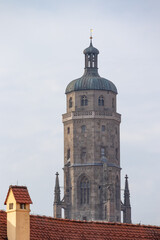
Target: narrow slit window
{"points": [[83, 154], [103, 128], [103, 152], [116, 153], [89, 60], [68, 154], [113, 104], [83, 128]]}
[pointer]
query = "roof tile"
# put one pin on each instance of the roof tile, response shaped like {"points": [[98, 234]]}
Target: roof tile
{"points": [[3, 225], [47, 228]]}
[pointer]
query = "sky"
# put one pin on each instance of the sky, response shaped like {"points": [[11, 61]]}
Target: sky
{"points": [[41, 51]]}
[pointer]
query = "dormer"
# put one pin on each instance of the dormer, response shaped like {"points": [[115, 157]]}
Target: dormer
{"points": [[18, 208]]}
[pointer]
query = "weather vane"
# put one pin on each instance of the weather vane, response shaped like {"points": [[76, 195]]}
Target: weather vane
{"points": [[91, 30]]}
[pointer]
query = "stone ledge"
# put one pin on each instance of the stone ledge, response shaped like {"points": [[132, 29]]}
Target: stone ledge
{"points": [[90, 115]]}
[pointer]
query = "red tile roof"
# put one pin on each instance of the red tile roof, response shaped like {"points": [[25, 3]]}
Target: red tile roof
{"points": [[47, 228], [20, 193], [3, 225], [50, 228]]}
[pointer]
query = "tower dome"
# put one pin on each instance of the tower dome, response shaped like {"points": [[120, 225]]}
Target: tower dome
{"points": [[91, 80], [91, 49]]}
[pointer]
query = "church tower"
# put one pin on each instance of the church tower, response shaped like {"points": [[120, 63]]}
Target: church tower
{"points": [[91, 146]]}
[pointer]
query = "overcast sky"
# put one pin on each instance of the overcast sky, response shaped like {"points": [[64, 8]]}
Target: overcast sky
{"points": [[41, 51]]}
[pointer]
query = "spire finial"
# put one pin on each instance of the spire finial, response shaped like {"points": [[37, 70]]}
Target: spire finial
{"points": [[126, 183], [91, 37]]}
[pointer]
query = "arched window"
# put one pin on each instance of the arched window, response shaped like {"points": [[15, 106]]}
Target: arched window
{"points": [[89, 60], [84, 100], [70, 102], [84, 190], [101, 101], [93, 60]]}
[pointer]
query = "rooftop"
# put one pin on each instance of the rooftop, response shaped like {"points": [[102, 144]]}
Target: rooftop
{"points": [[20, 193], [43, 227]]}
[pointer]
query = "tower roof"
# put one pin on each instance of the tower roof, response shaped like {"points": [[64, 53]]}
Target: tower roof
{"points": [[91, 49], [91, 80]]}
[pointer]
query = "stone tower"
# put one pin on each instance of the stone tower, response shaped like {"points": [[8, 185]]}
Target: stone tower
{"points": [[91, 147]]}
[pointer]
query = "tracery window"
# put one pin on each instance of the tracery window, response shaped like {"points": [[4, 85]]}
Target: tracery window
{"points": [[101, 101], [70, 102], [84, 190], [84, 100]]}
